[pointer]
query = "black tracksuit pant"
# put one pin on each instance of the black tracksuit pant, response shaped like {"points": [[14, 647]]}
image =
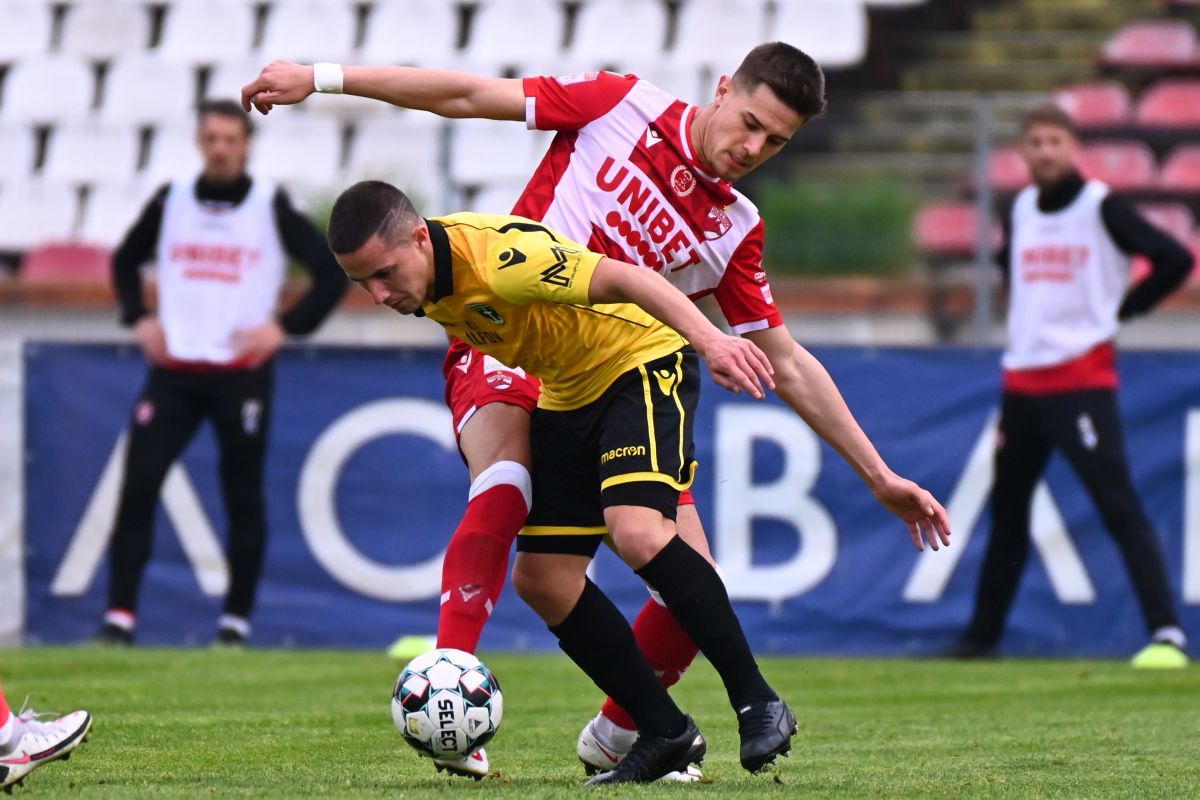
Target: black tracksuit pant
{"points": [[1085, 428], [166, 416]]}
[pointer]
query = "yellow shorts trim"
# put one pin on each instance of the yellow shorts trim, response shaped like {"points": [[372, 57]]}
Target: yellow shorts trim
{"points": [[564, 530], [651, 477]]}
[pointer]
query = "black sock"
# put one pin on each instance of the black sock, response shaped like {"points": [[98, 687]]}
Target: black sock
{"points": [[598, 638], [694, 593]]}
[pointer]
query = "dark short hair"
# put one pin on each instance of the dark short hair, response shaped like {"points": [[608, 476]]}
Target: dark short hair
{"points": [[1048, 114], [365, 209], [789, 72], [231, 109]]}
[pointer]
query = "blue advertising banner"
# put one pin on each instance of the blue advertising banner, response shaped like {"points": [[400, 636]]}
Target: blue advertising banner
{"points": [[365, 485]]}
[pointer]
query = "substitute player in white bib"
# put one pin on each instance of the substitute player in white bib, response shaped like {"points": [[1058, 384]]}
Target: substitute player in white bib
{"points": [[641, 177], [1066, 262]]}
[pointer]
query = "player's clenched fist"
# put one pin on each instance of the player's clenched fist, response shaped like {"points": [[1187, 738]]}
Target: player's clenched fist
{"points": [[736, 364], [280, 83]]}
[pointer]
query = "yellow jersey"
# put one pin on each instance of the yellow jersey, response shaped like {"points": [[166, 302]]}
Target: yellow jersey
{"points": [[518, 291]]}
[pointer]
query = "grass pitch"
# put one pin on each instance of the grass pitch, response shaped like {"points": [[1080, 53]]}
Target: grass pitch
{"points": [[197, 723]]}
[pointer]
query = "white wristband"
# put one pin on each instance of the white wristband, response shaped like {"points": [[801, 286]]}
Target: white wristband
{"points": [[327, 77]]}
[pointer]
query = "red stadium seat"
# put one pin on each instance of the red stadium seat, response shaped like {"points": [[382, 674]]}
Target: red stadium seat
{"points": [[1008, 170], [1175, 218], [1122, 165], [1181, 170], [1170, 104], [946, 229], [66, 263], [1095, 104], [1152, 43]]}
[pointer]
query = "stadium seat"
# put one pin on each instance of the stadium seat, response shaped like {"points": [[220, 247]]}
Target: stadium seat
{"points": [[101, 30], [1152, 43], [173, 154], [833, 32], [111, 209], [686, 81], [404, 148], [639, 26], [36, 212], [67, 262], [18, 144], [411, 32], [309, 31], [946, 229], [1008, 170], [524, 35], [303, 152], [1181, 170], [26, 29], [493, 151], [207, 32], [1173, 217], [26, 98], [1098, 104], [718, 33], [84, 152], [497, 198], [227, 78], [143, 90], [1122, 165], [1170, 104]]}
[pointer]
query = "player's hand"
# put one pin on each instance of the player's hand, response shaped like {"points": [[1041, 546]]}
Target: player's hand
{"points": [[258, 343], [151, 338], [926, 519], [281, 83], [737, 364]]}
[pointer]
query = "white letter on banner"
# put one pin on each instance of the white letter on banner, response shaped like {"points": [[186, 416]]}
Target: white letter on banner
{"points": [[739, 502], [196, 535], [928, 580], [318, 492], [1191, 509]]}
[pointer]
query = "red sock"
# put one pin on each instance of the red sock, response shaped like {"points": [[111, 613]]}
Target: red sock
{"points": [[4, 712], [476, 564], [665, 645]]}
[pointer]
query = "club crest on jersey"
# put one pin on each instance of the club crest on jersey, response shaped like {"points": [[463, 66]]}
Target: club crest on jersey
{"points": [[716, 223], [487, 312], [576, 77], [683, 181]]}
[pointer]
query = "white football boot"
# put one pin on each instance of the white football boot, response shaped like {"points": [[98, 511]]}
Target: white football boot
{"points": [[602, 745], [35, 743], [473, 766]]}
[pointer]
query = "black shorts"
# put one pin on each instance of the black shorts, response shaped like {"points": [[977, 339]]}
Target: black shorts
{"points": [[632, 446]]}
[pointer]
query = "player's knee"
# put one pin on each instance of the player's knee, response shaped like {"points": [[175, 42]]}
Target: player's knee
{"points": [[508, 473], [638, 543], [551, 594]]}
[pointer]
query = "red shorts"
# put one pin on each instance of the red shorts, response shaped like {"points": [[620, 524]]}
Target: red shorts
{"points": [[473, 380]]}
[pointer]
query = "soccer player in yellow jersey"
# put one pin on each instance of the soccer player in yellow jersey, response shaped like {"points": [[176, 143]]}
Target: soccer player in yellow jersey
{"points": [[611, 440]]}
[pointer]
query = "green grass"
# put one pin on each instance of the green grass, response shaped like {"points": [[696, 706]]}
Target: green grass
{"points": [[197, 723]]}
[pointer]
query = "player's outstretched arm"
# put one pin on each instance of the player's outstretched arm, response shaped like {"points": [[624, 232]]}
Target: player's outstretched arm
{"points": [[736, 364], [446, 93], [805, 385]]}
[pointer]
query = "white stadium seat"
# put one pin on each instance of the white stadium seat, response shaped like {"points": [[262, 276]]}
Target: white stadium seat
{"points": [[497, 198], [524, 35], [207, 31], [145, 89], [18, 145], [227, 78], [99, 29], [833, 32], [405, 149], [639, 27], [309, 31], [47, 90], [85, 152], [111, 210], [688, 82], [173, 154], [26, 29], [718, 33], [302, 152], [411, 32], [36, 212], [491, 151]]}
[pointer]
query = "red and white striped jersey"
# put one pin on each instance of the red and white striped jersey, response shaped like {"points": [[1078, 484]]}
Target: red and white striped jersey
{"points": [[621, 176]]}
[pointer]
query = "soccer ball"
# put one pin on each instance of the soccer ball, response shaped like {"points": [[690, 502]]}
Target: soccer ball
{"points": [[447, 704]]}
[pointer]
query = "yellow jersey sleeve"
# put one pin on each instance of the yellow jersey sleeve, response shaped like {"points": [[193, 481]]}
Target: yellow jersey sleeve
{"points": [[532, 264]]}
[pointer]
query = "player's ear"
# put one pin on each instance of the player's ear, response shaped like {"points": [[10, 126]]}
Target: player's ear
{"points": [[724, 87]]}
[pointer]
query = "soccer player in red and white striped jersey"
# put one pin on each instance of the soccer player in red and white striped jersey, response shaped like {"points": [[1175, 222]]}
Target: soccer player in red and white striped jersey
{"points": [[642, 177]]}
